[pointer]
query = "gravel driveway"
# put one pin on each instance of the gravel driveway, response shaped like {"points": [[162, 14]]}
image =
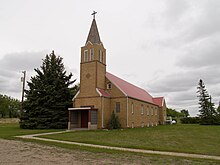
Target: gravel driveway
{"points": [[27, 153]]}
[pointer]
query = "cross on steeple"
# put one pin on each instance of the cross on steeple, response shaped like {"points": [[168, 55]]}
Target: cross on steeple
{"points": [[94, 13]]}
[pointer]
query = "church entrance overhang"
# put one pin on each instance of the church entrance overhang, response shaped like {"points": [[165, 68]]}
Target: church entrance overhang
{"points": [[82, 117]]}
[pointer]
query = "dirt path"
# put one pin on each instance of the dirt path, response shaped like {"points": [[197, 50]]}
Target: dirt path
{"points": [[187, 155], [26, 153]]}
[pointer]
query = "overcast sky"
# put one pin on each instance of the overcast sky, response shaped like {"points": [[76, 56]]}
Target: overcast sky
{"points": [[163, 46]]}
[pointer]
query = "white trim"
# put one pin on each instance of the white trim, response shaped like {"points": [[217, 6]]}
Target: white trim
{"points": [[163, 101], [97, 90], [127, 112], [76, 95], [81, 108], [88, 43], [86, 55], [102, 112]]}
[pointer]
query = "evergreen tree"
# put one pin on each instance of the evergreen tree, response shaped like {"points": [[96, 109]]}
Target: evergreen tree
{"points": [[207, 110], [218, 110], [203, 100], [114, 122], [48, 96]]}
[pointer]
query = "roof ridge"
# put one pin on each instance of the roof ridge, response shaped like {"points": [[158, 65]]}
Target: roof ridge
{"points": [[129, 83], [129, 89]]}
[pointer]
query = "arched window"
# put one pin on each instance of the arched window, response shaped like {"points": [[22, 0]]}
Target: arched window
{"points": [[100, 53], [91, 54], [103, 57], [85, 55], [132, 108]]}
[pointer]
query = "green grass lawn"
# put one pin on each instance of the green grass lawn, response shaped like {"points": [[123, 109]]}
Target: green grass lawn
{"points": [[178, 138], [9, 130], [149, 138]]}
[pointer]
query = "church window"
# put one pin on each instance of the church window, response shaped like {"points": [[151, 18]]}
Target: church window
{"points": [[117, 107], [91, 54], [142, 109], [109, 85], [74, 117], [156, 112], [85, 55], [148, 111], [132, 108], [100, 53], [103, 57], [152, 111], [93, 117]]}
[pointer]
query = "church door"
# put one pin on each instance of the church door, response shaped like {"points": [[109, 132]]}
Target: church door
{"points": [[84, 119]]}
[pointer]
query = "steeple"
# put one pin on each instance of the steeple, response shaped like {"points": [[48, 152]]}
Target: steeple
{"points": [[93, 36], [93, 63]]}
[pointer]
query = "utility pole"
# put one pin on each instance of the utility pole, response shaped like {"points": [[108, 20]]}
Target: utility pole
{"points": [[23, 87]]}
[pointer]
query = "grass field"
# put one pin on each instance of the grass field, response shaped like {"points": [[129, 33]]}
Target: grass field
{"points": [[9, 130], [178, 138], [161, 137]]}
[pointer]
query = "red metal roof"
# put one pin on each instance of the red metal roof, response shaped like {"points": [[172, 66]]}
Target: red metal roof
{"points": [[103, 92], [129, 89], [159, 101]]}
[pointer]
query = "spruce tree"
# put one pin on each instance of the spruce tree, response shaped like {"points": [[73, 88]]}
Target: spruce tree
{"points": [[48, 96], [114, 122], [207, 110], [203, 100]]}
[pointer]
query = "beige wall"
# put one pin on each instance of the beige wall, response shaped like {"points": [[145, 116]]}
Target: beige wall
{"points": [[163, 113], [149, 116], [92, 72]]}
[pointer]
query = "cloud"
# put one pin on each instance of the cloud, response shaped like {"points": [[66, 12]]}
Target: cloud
{"points": [[179, 87], [175, 10], [11, 66], [203, 53], [205, 21], [19, 61]]}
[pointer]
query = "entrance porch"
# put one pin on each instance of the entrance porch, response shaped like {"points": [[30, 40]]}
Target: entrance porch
{"points": [[84, 117]]}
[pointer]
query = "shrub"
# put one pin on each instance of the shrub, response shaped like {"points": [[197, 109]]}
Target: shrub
{"points": [[114, 122], [190, 120]]}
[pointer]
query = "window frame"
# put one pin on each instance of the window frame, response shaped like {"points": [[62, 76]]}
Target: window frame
{"points": [[86, 55], [91, 55], [100, 53], [148, 111], [117, 107], [142, 109], [109, 85], [132, 108], [102, 56]]}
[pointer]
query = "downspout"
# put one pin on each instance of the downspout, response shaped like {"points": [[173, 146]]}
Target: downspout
{"points": [[127, 112], [102, 111], [103, 107]]}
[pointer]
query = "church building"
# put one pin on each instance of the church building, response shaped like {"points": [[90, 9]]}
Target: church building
{"points": [[102, 93]]}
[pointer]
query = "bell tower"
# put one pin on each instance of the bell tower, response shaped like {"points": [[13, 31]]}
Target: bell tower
{"points": [[93, 63]]}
